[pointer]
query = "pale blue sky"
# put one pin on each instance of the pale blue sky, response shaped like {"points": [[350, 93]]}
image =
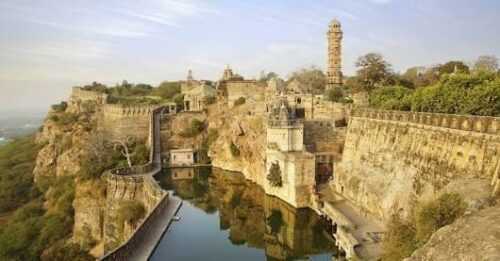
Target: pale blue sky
{"points": [[47, 46]]}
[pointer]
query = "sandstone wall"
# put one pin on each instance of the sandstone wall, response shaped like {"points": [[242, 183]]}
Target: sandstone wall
{"points": [[122, 121], [119, 189], [392, 159]]}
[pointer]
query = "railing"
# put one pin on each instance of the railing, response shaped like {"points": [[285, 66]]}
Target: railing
{"points": [[481, 124]]}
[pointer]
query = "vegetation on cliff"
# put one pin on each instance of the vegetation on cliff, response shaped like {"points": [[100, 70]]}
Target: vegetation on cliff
{"points": [[274, 175], [17, 161], [194, 129], [235, 151], [44, 215], [406, 235], [476, 94], [131, 211]]}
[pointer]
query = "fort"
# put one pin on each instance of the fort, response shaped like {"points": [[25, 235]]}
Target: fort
{"points": [[352, 165]]}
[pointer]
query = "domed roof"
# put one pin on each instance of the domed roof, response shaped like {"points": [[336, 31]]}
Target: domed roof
{"points": [[335, 23]]}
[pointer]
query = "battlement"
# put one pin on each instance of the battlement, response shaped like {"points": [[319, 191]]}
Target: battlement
{"points": [[80, 94], [129, 110], [480, 124]]}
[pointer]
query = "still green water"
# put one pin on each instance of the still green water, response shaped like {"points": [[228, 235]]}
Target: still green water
{"points": [[225, 217]]}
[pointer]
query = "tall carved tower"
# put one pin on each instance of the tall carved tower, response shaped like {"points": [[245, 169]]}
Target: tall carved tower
{"points": [[334, 35]]}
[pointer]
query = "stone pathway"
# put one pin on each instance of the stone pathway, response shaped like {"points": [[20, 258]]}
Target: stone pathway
{"points": [[161, 224]]}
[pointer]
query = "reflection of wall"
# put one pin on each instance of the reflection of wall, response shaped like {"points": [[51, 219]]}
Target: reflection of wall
{"points": [[243, 209]]}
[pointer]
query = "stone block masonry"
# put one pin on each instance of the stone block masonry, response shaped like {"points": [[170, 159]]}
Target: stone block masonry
{"points": [[391, 158]]}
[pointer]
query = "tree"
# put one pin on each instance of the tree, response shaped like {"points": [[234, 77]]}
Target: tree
{"points": [[274, 175], [487, 63], [265, 77], [373, 70], [312, 78], [453, 66], [335, 94]]}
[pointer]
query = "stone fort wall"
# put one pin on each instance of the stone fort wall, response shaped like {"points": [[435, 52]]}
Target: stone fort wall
{"points": [[80, 94], [121, 121], [392, 159]]}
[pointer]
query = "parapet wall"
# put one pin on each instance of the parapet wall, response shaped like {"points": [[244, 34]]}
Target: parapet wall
{"points": [[391, 159], [80, 94], [479, 124], [121, 121]]}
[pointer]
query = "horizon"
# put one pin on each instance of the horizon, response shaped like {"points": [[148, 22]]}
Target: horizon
{"points": [[50, 47]]}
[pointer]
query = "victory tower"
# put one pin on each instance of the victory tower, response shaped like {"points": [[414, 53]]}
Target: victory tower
{"points": [[334, 35]]}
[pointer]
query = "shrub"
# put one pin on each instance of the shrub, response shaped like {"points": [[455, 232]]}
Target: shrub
{"points": [[61, 107], [140, 154], [194, 129], [275, 221], [131, 211], [439, 213], [391, 98], [239, 101], [235, 151], [335, 94], [399, 240], [405, 236], [274, 175]]}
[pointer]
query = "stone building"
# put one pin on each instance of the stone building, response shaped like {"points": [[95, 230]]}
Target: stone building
{"points": [[233, 86], [289, 167], [196, 93], [334, 73], [182, 157]]}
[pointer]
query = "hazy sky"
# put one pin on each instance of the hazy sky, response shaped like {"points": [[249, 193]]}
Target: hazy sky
{"points": [[47, 46]]}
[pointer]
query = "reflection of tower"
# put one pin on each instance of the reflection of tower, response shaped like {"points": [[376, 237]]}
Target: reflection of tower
{"points": [[334, 35]]}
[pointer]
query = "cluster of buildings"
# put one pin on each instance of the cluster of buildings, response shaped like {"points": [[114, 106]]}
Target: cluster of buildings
{"points": [[301, 134]]}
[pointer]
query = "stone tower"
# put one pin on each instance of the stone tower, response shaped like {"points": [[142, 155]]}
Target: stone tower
{"points": [[334, 35], [190, 77]]}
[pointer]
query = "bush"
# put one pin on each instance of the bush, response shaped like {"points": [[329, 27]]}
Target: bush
{"points": [[61, 107], [131, 211], [140, 154], [274, 175], [405, 236], [275, 221], [239, 101], [335, 94], [399, 240], [235, 151], [194, 129], [64, 118], [436, 214], [391, 98]]}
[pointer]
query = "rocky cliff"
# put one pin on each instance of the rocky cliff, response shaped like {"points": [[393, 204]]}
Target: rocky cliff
{"points": [[244, 126], [473, 237]]}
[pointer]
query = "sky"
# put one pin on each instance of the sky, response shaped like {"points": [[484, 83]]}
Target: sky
{"points": [[48, 46]]}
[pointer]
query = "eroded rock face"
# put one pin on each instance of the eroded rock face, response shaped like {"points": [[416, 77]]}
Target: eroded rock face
{"points": [[246, 129], [473, 237]]}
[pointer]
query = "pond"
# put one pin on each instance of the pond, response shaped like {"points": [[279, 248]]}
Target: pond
{"points": [[225, 217]]}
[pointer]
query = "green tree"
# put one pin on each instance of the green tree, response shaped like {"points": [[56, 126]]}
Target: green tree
{"points": [[312, 78], [274, 175], [453, 66], [391, 98], [372, 70]]}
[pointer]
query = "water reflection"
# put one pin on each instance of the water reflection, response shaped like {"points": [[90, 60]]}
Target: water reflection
{"points": [[250, 217]]}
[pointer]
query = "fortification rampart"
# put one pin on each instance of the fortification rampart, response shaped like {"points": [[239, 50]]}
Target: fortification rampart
{"points": [[134, 183], [479, 124], [122, 121], [392, 158], [80, 94]]}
